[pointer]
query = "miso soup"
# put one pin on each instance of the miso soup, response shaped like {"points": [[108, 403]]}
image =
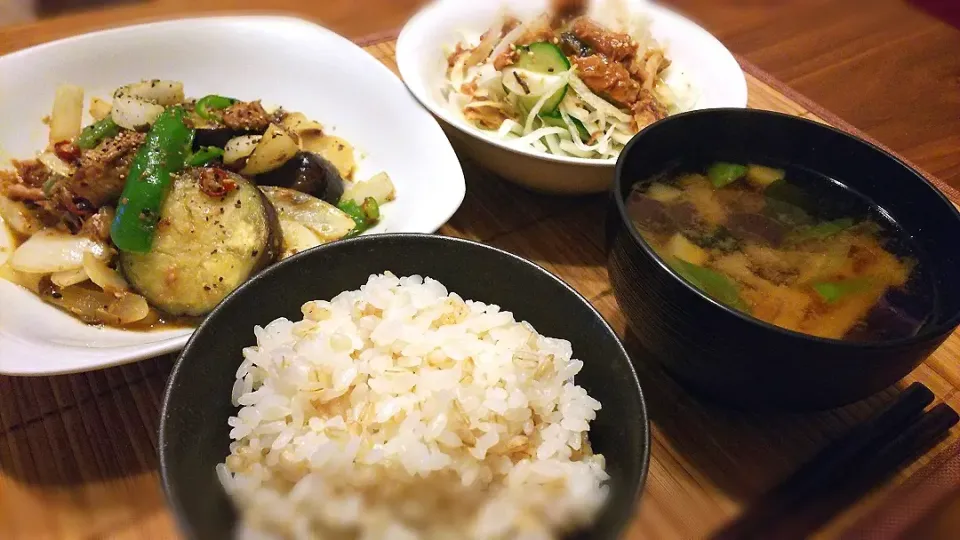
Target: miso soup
{"points": [[787, 246]]}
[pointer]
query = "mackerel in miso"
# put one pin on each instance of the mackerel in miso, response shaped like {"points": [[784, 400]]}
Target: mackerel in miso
{"points": [[787, 246]]}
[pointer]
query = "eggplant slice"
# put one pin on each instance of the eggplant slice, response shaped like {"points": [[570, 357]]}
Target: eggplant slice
{"points": [[306, 221], [310, 173], [205, 246]]}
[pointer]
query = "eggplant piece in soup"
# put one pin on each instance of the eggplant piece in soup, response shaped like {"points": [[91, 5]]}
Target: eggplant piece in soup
{"points": [[216, 230]]}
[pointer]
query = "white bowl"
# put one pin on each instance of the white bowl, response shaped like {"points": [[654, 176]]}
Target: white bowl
{"points": [[282, 60], [704, 60]]}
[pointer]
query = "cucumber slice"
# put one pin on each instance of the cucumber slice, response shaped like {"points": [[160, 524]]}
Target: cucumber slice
{"points": [[527, 103], [545, 59], [555, 120], [541, 57], [529, 87]]}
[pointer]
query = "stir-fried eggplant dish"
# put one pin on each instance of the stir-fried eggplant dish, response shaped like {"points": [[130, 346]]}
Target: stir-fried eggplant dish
{"points": [[804, 253], [163, 205]]}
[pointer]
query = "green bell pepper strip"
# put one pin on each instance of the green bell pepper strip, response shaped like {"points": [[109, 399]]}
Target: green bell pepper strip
{"points": [[834, 291], [722, 174], [364, 215], [210, 103], [96, 132], [371, 210], [203, 156], [148, 182], [714, 284]]}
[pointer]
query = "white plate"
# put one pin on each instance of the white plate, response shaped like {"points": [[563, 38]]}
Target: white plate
{"points": [[703, 60], [282, 60]]}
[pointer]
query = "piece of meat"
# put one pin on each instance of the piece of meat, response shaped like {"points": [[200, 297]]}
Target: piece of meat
{"points": [[246, 116], [507, 58], [23, 192], [648, 67], [31, 172], [646, 110], [609, 79], [469, 88], [68, 152], [614, 45], [455, 55], [102, 171], [486, 116], [97, 226]]}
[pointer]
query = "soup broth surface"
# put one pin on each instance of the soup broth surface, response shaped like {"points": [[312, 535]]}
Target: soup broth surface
{"points": [[787, 246]]}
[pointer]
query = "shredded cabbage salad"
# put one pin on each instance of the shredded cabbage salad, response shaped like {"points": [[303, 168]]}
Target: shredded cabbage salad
{"points": [[585, 124]]}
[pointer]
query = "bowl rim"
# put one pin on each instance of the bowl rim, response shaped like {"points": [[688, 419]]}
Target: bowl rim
{"points": [[163, 444], [926, 333], [407, 70], [167, 21]]}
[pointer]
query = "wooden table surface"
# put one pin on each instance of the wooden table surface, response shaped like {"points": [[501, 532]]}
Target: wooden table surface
{"points": [[68, 468]]}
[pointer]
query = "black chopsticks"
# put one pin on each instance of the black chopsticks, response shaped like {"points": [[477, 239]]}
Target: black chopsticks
{"points": [[846, 469]]}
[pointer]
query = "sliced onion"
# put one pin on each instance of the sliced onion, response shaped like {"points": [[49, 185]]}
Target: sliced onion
{"points": [[100, 109], [297, 238], [482, 51], [239, 148], [275, 148], [102, 275], [138, 105], [30, 282], [380, 187], [508, 40], [51, 251], [69, 277], [84, 303], [7, 242], [299, 123], [328, 222], [132, 113], [65, 120], [56, 165], [334, 149], [129, 308], [155, 91], [19, 217]]}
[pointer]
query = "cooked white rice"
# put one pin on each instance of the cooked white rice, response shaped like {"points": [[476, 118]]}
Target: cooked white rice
{"points": [[401, 411]]}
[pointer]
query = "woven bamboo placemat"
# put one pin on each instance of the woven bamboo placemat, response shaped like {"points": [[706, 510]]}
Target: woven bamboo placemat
{"points": [[78, 452]]}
